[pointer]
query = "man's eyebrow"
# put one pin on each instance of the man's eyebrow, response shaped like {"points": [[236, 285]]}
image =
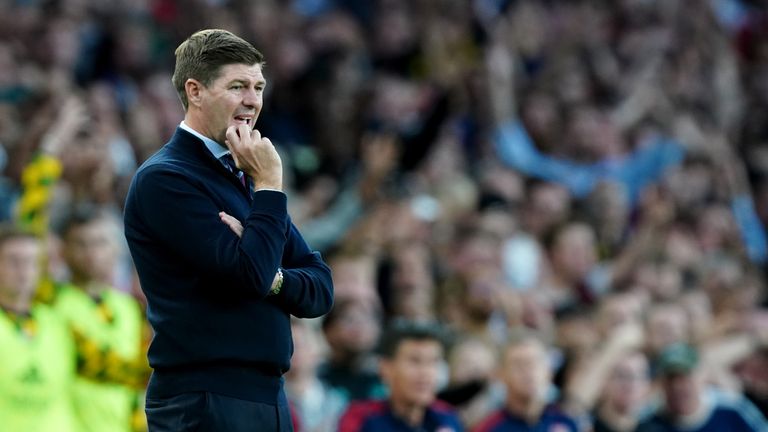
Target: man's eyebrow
{"points": [[244, 81]]}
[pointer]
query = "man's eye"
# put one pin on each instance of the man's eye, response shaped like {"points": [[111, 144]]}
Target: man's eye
{"points": [[236, 87]]}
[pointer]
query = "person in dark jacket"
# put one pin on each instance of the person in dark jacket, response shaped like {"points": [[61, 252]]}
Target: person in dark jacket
{"points": [[526, 371], [689, 405], [221, 264], [411, 354]]}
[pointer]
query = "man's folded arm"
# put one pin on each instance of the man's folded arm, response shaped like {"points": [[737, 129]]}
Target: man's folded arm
{"points": [[186, 222], [307, 290]]}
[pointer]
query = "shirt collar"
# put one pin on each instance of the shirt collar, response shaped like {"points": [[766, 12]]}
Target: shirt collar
{"points": [[216, 149]]}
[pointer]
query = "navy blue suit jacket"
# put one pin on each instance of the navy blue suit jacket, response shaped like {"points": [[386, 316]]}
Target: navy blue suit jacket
{"points": [[216, 326]]}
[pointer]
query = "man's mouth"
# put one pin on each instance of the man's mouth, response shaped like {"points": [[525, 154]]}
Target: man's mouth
{"points": [[243, 119]]}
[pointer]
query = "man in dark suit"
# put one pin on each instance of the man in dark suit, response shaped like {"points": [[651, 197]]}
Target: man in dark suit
{"points": [[220, 295]]}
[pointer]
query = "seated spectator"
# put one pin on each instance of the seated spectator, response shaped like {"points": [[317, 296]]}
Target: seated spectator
{"points": [[351, 330], [665, 324], [110, 319], [689, 406], [624, 395], [410, 366], [472, 388], [527, 374], [575, 276], [38, 362]]}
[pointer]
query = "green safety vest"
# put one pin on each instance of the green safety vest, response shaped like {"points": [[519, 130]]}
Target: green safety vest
{"points": [[36, 374], [115, 324]]}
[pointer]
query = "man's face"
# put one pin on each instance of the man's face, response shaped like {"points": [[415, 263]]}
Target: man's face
{"points": [[527, 372], [682, 393], [628, 384], [574, 252], [667, 324], [20, 267], [413, 372], [90, 250], [234, 98], [356, 330]]}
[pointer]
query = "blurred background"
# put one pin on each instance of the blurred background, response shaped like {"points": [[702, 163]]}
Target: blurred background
{"points": [[593, 170]]}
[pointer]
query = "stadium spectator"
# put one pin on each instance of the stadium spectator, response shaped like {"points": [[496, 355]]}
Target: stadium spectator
{"points": [[526, 372], [410, 366], [689, 406], [39, 360]]}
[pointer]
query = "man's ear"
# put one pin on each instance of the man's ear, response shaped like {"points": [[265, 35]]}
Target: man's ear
{"points": [[194, 89]]}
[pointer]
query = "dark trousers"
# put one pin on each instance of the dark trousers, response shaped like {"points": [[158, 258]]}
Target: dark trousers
{"points": [[212, 412]]}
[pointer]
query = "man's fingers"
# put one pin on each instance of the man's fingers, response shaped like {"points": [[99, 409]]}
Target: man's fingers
{"points": [[244, 132], [232, 223], [232, 138], [255, 135]]}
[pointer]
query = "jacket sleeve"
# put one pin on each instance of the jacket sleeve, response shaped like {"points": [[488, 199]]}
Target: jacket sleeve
{"points": [[170, 208], [307, 290]]}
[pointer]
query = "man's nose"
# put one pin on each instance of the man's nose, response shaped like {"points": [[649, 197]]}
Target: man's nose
{"points": [[251, 98]]}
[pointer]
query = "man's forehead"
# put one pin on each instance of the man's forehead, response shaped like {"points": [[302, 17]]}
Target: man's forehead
{"points": [[242, 71]]}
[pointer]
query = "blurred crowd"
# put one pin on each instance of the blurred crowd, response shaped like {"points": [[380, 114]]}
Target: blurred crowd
{"points": [[574, 191]]}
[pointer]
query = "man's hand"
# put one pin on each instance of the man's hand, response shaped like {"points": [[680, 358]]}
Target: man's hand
{"points": [[256, 156], [232, 223]]}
